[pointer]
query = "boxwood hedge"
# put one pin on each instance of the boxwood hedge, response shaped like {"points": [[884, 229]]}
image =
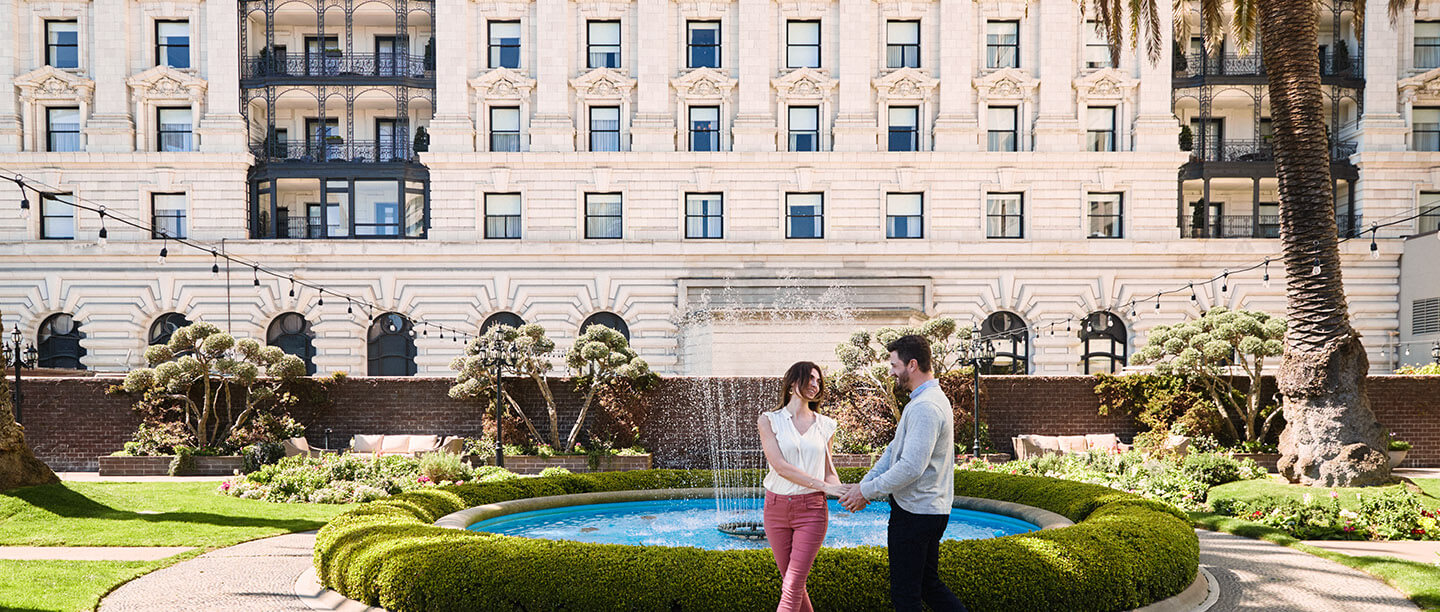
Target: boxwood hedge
{"points": [[1123, 552]]}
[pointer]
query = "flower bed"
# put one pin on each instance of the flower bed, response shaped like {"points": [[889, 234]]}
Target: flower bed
{"points": [[1124, 552], [1384, 514], [339, 479]]}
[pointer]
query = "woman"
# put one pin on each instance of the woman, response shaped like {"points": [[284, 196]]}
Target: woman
{"points": [[796, 440]]}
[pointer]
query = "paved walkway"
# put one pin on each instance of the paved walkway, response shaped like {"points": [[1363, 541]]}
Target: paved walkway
{"points": [[1256, 575], [91, 553], [1410, 550], [258, 575]]}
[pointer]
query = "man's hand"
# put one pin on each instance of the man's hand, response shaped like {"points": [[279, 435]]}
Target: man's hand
{"points": [[853, 500]]}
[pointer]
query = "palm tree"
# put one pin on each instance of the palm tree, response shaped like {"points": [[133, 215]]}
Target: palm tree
{"points": [[1331, 437]]}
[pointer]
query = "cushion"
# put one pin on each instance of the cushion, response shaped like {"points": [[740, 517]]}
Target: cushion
{"points": [[454, 445], [395, 444], [366, 444], [1102, 441], [301, 443], [423, 443], [1047, 443], [1072, 444]]}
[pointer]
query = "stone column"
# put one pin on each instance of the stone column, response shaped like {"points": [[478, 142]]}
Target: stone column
{"points": [[855, 124], [451, 129], [551, 129], [221, 128], [10, 127], [1056, 126], [110, 128], [1156, 129], [653, 128], [754, 128], [956, 127], [1383, 126]]}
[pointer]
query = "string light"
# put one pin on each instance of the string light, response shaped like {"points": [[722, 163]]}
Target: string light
{"points": [[292, 286], [104, 236], [24, 199], [321, 301], [1315, 271], [1194, 299], [1374, 248], [257, 275], [214, 264], [1267, 273], [164, 248], [1225, 281]]}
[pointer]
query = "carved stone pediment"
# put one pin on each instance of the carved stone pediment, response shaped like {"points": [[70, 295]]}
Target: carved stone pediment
{"points": [[804, 83], [1007, 84], [166, 83], [603, 9], [1106, 84], [603, 84], [51, 83], [1423, 85], [906, 84], [502, 84], [704, 84]]}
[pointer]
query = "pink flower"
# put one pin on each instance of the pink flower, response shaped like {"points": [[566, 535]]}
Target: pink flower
{"points": [[1334, 495], [423, 479], [225, 486]]}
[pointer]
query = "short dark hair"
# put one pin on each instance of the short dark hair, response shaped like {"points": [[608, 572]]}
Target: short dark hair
{"points": [[912, 347]]}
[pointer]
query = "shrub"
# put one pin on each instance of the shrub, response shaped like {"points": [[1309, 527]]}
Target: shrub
{"points": [[554, 470], [1123, 553], [1389, 514], [346, 478], [1183, 483], [1432, 369], [439, 467]]}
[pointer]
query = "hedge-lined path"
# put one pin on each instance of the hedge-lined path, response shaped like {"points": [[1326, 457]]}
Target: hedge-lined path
{"points": [[1253, 575], [1257, 575], [90, 553]]}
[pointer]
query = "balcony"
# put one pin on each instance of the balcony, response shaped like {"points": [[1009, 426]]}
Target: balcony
{"points": [[1196, 69], [1237, 226], [1257, 151], [334, 151], [337, 67]]}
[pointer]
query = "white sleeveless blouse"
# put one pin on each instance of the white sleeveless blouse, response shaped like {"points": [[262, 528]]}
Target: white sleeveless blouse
{"points": [[806, 452]]}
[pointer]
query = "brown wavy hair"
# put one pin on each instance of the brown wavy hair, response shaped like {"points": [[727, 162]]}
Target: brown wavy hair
{"points": [[800, 374]]}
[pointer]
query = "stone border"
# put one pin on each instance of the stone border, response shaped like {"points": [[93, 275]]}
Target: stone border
{"points": [[463, 519]]}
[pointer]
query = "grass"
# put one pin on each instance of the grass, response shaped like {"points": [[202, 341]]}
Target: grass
{"points": [[147, 514], [126, 514], [1246, 490]]}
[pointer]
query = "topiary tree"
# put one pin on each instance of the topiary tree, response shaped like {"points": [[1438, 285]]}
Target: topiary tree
{"points": [[202, 370], [477, 382], [602, 355], [867, 364], [1216, 349]]}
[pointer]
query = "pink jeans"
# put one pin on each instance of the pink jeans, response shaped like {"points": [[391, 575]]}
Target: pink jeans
{"points": [[795, 526]]}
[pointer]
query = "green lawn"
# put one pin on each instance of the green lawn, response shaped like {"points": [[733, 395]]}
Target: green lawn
{"points": [[1250, 489], [126, 514]]}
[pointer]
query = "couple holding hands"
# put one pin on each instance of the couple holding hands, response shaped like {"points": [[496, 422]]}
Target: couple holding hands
{"points": [[916, 474]]}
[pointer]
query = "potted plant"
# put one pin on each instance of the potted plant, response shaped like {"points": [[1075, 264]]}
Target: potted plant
{"points": [[1178, 63], [1397, 449], [1341, 62], [1187, 138]]}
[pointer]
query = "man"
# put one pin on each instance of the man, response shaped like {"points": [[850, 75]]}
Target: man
{"points": [[917, 472]]}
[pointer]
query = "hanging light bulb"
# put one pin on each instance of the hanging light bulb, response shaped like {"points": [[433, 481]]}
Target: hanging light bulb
{"points": [[1157, 303], [24, 200], [257, 275], [1193, 297], [292, 286], [1315, 270], [1132, 309], [104, 236], [214, 264], [1267, 274], [164, 252], [1374, 248], [350, 307], [1225, 282], [321, 301]]}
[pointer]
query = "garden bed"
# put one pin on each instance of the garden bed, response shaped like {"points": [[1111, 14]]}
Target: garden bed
{"points": [[1269, 461], [1124, 552], [530, 465], [159, 465]]}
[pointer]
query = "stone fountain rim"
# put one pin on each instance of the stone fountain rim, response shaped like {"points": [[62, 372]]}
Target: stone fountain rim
{"points": [[463, 519]]}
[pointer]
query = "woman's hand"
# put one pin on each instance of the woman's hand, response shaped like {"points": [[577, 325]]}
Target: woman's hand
{"points": [[836, 489]]}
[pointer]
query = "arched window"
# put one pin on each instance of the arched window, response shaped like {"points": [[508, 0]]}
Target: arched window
{"points": [[59, 341], [608, 319], [1103, 343], [392, 346], [291, 333], [166, 325], [1011, 337], [501, 318]]}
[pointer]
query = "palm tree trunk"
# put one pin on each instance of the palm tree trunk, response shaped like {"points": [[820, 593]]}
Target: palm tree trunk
{"points": [[1331, 436]]}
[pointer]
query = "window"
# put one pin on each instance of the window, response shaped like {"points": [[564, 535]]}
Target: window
{"points": [[604, 128], [704, 128], [804, 215], [1426, 122], [1003, 215], [1100, 128], [505, 44], [1097, 48], [802, 44], [167, 211], [1427, 45], [603, 216], [904, 128], [377, 208], [59, 343], [290, 332], [703, 43], [57, 216], [172, 43], [502, 216], [902, 44], [505, 129], [323, 57], [1106, 215], [390, 56], [1002, 44], [62, 44], [173, 130], [904, 215], [508, 319], [391, 346], [165, 326], [603, 44], [704, 215], [1429, 205], [62, 129], [606, 319], [804, 125], [1011, 337], [1003, 128], [1103, 341]]}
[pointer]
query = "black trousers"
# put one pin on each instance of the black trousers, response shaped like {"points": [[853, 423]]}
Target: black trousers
{"points": [[914, 542]]}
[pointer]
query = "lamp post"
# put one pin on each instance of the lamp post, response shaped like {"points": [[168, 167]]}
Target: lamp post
{"points": [[20, 360], [979, 353], [499, 354]]}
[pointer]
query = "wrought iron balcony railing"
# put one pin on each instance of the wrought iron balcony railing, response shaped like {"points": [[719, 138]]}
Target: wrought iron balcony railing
{"points": [[1256, 151], [387, 65], [1234, 64], [1237, 226], [355, 151]]}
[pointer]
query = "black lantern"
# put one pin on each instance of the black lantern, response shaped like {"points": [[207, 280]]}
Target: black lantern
{"points": [[500, 354], [979, 352]]}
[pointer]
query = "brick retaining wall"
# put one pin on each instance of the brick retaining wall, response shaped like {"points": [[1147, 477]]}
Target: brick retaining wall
{"points": [[70, 421]]}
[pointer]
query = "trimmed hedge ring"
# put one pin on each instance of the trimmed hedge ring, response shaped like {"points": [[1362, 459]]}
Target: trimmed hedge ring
{"points": [[1123, 552]]}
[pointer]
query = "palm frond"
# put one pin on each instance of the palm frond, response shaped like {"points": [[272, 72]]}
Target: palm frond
{"points": [[1244, 24], [1213, 25], [1180, 12]]}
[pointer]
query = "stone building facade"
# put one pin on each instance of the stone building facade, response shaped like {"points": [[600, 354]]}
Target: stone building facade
{"points": [[737, 183]]}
